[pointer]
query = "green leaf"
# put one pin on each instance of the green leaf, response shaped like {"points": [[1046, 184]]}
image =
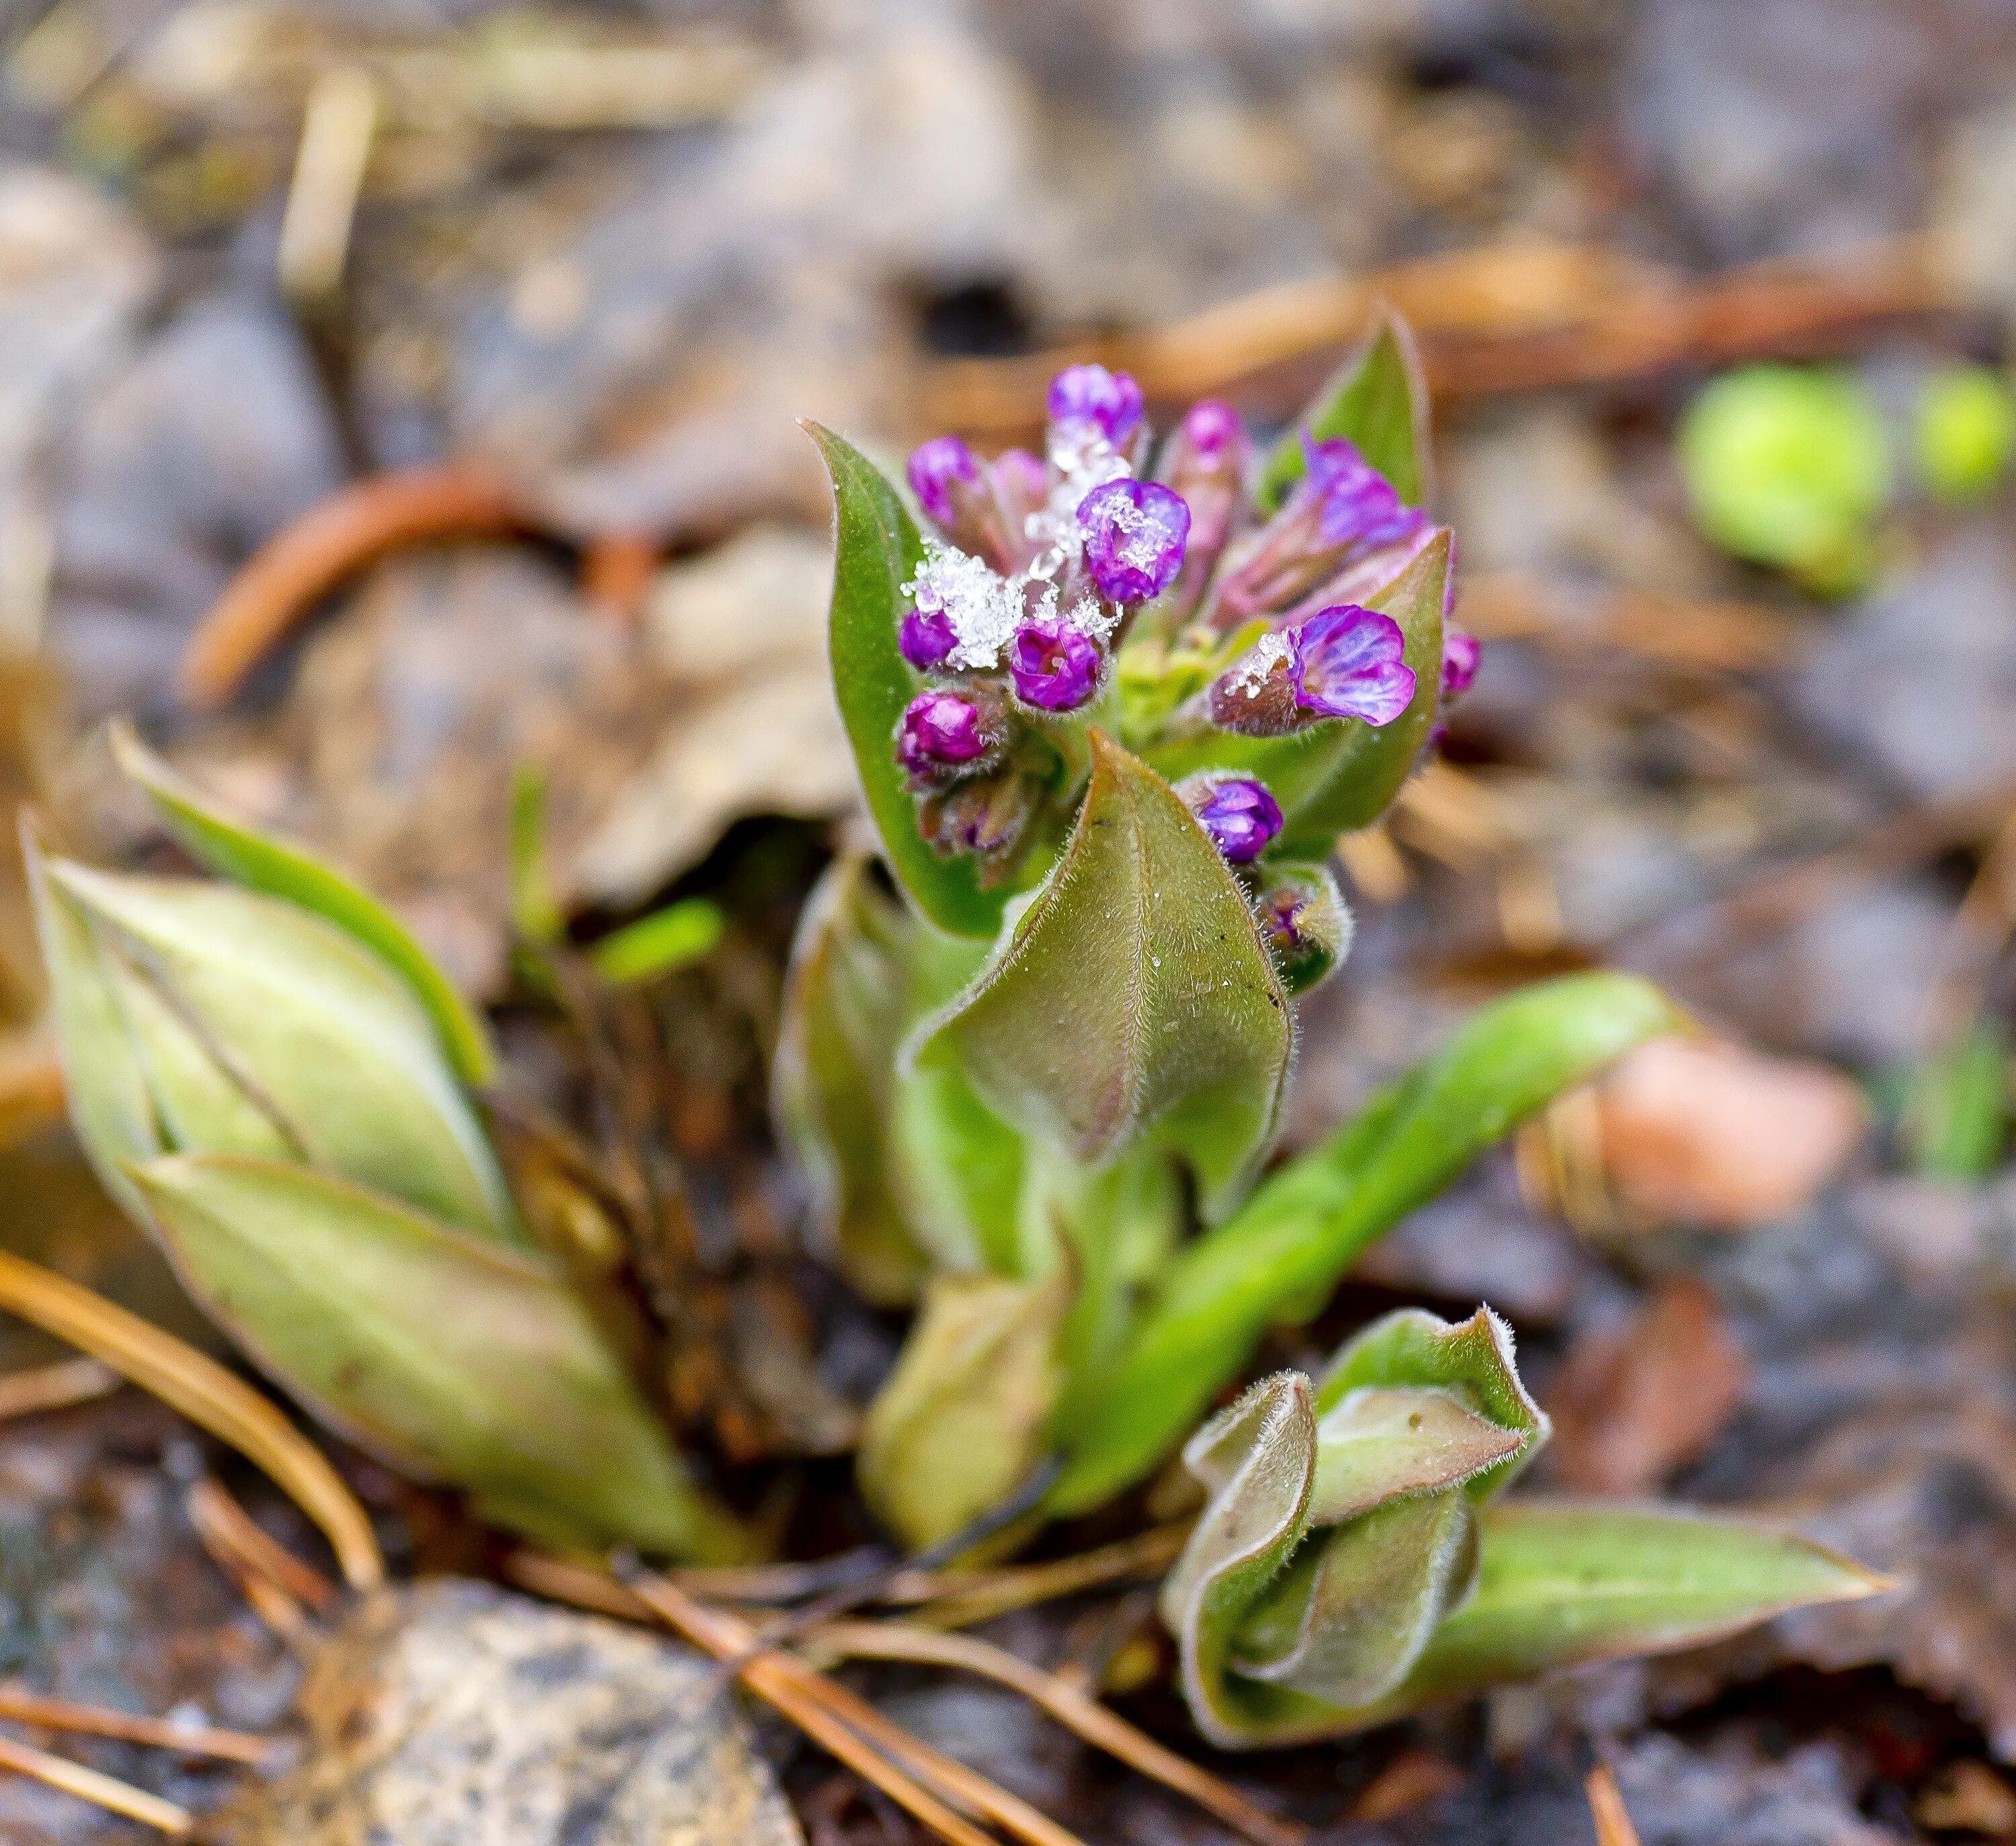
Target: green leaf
{"points": [[956, 1168], [1332, 1545], [1133, 994], [1470, 1362], [1963, 433], [105, 1083], [877, 549], [1286, 1248], [282, 870], [673, 937], [1955, 1125], [830, 1081], [1562, 1584], [1342, 775], [535, 906], [959, 1424], [258, 1026], [453, 1359], [1378, 400]]}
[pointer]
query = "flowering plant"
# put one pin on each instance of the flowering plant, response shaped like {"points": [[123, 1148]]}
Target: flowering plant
{"points": [[1111, 705]]}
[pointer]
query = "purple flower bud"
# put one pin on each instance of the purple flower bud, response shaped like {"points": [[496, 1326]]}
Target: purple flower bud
{"points": [[1211, 429], [1356, 505], [1019, 478], [1461, 652], [1237, 812], [1305, 926], [1055, 665], [1348, 662], [927, 638], [938, 469], [1111, 401], [1135, 532], [941, 731]]}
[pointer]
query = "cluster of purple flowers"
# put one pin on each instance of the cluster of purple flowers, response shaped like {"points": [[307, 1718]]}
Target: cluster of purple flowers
{"points": [[1037, 567]]}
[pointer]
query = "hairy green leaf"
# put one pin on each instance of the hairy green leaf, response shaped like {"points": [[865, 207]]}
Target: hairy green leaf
{"points": [[1559, 1584], [1285, 1248], [454, 1359], [959, 1424], [877, 549], [1378, 400], [282, 870], [1133, 994], [1334, 1541]]}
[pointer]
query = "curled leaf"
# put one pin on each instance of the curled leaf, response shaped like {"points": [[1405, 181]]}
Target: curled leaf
{"points": [[1338, 1535], [1133, 994], [959, 1423], [454, 1359]]}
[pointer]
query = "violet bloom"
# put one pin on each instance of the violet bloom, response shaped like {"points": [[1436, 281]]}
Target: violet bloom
{"points": [[941, 732], [1055, 665], [1239, 816], [1461, 652], [927, 638], [1356, 506], [1135, 533], [1343, 662], [939, 469], [1110, 402], [1348, 662]]}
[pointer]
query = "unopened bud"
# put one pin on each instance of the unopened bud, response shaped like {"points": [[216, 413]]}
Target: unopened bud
{"points": [[1238, 814], [1135, 534], [942, 735], [1055, 664], [1305, 925]]}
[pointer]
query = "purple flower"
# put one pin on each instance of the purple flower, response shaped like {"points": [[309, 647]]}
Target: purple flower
{"points": [[938, 469], [1054, 665], [941, 731], [1020, 477], [1461, 652], [1135, 532], [927, 638], [1348, 662], [1238, 813], [1357, 504], [1110, 401]]}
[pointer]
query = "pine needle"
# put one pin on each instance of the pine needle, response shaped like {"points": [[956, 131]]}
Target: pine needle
{"points": [[99, 1721], [1076, 1710], [1606, 1804], [204, 1392], [89, 1785]]}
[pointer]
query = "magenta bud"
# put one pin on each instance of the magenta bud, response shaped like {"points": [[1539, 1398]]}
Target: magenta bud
{"points": [[1305, 926], [1211, 429], [927, 638], [1109, 401], [941, 734], [938, 469], [1055, 665], [1461, 653], [1238, 813], [1135, 532]]}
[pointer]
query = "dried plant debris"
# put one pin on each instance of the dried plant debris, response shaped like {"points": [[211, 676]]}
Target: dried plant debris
{"points": [[452, 1710]]}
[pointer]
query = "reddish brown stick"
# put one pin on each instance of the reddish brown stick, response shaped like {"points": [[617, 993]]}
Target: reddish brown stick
{"points": [[328, 545]]}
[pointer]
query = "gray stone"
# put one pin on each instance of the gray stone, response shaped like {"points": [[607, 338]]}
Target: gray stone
{"points": [[449, 1713]]}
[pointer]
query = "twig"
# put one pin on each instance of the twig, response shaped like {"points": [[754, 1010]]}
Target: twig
{"points": [[802, 1694], [1490, 320], [337, 125], [957, 1599], [204, 1392], [616, 572], [1605, 1806], [212, 1508], [328, 545], [99, 1720], [1683, 631], [89, 1785], [56, 1387], [1076, 1710]]}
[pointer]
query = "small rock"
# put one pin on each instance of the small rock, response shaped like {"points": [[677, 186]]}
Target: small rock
{"points": [[447, 1713]]}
